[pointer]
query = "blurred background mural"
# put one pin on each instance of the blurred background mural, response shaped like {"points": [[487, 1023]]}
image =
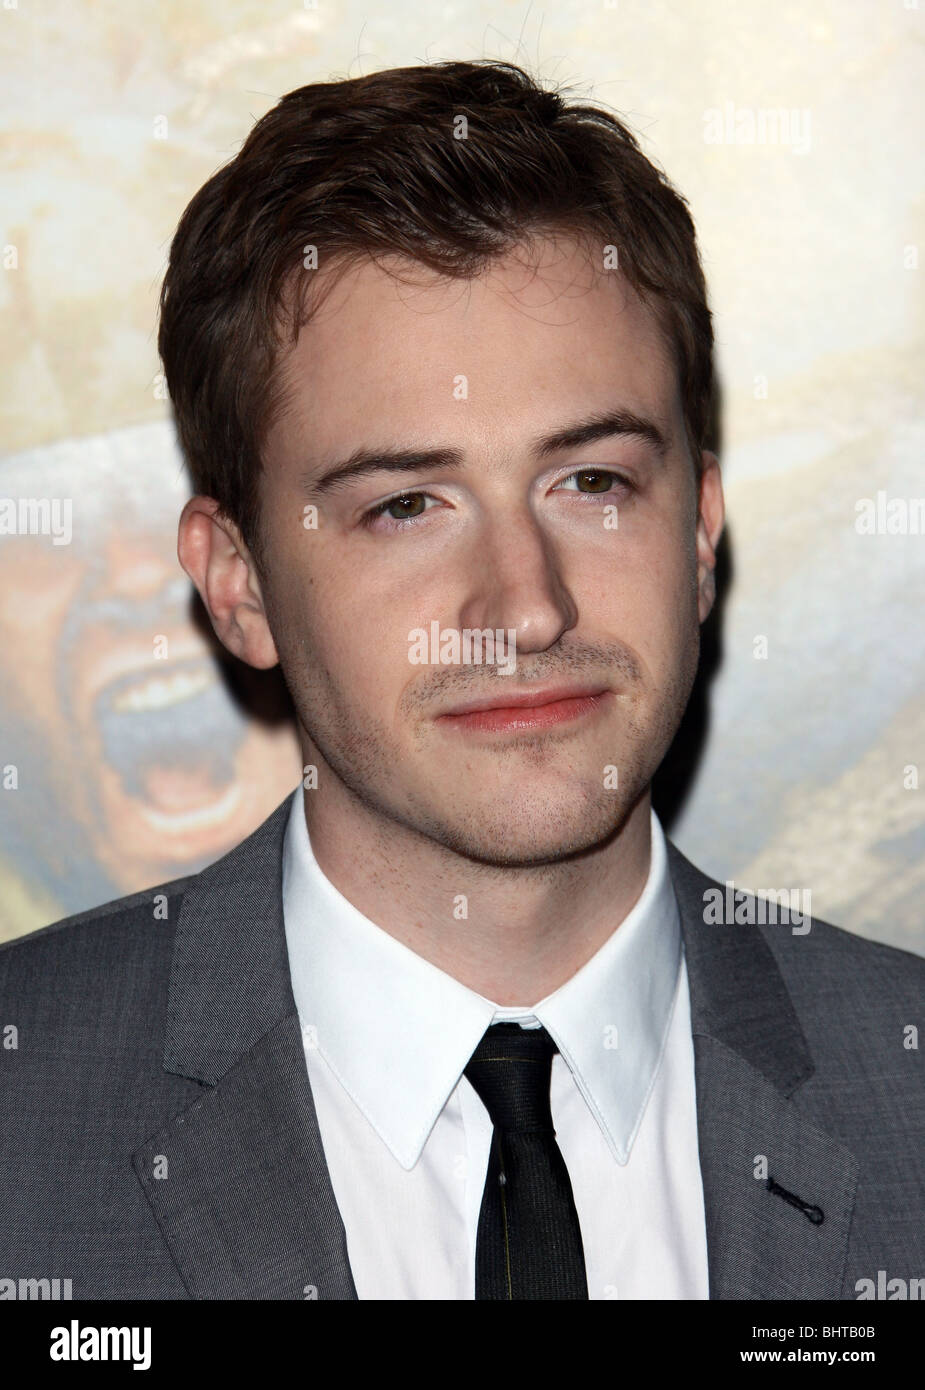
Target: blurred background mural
{"points": [[132, 751]]}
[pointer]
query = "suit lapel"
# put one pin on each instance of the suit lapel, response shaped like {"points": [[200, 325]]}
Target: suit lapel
{"points": [[751, 1058], [238, 1182]]}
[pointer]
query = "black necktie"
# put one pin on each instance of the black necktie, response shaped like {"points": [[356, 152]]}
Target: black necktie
{"points": [[529, 1239]]}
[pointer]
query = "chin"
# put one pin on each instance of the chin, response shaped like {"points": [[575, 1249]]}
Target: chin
{"points": [[517, 839]]}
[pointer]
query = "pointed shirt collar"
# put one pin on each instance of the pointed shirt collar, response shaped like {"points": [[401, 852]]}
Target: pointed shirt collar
{"points": [[397, 1031]]}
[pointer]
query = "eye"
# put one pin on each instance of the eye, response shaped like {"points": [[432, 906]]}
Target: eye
{"points": [[405, 518], [411, 506], [601, 480]]}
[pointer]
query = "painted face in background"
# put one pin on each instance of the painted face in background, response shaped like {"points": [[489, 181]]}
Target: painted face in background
{"points": [[509, 538], [136, 761]]}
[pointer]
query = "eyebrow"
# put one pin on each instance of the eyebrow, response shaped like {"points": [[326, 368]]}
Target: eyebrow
{"points": [[363, 462]]}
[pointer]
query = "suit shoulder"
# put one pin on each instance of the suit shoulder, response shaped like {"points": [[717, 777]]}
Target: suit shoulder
{"points": [[828, 955], [805, 948], [860, 1006], [103, 934]]}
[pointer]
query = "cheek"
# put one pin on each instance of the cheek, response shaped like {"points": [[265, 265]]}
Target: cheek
{"points": [[647, 598], [648, 579], [337, 628]]}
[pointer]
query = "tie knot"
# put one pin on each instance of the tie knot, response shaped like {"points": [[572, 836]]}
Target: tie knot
{"points": [[510, 1070]]}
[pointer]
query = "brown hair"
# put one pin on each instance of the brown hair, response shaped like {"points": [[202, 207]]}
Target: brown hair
{"points": [[374, 166]]}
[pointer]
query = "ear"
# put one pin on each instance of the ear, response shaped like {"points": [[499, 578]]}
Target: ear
{"points": [[710, 517], [211, 550]]}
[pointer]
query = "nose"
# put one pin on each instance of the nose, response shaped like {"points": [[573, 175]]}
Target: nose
{"points": [[517, 583]]}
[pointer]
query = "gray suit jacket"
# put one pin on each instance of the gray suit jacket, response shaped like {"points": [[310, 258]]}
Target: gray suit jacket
{"points": [[158, 1137]]}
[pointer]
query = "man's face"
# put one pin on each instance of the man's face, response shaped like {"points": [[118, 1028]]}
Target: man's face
{"points": [[508, 539]]}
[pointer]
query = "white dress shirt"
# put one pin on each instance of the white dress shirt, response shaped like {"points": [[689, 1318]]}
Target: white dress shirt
{"points": [[406, 1137]]}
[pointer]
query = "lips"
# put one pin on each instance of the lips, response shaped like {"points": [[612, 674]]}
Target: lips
{"points": [[527, 717], [525, 699]]}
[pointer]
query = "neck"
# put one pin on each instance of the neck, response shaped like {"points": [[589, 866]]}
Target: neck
{"points": [[512, 935]]}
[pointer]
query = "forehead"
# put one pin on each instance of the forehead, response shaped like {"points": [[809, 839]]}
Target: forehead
{"points": [[542, 331]]}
